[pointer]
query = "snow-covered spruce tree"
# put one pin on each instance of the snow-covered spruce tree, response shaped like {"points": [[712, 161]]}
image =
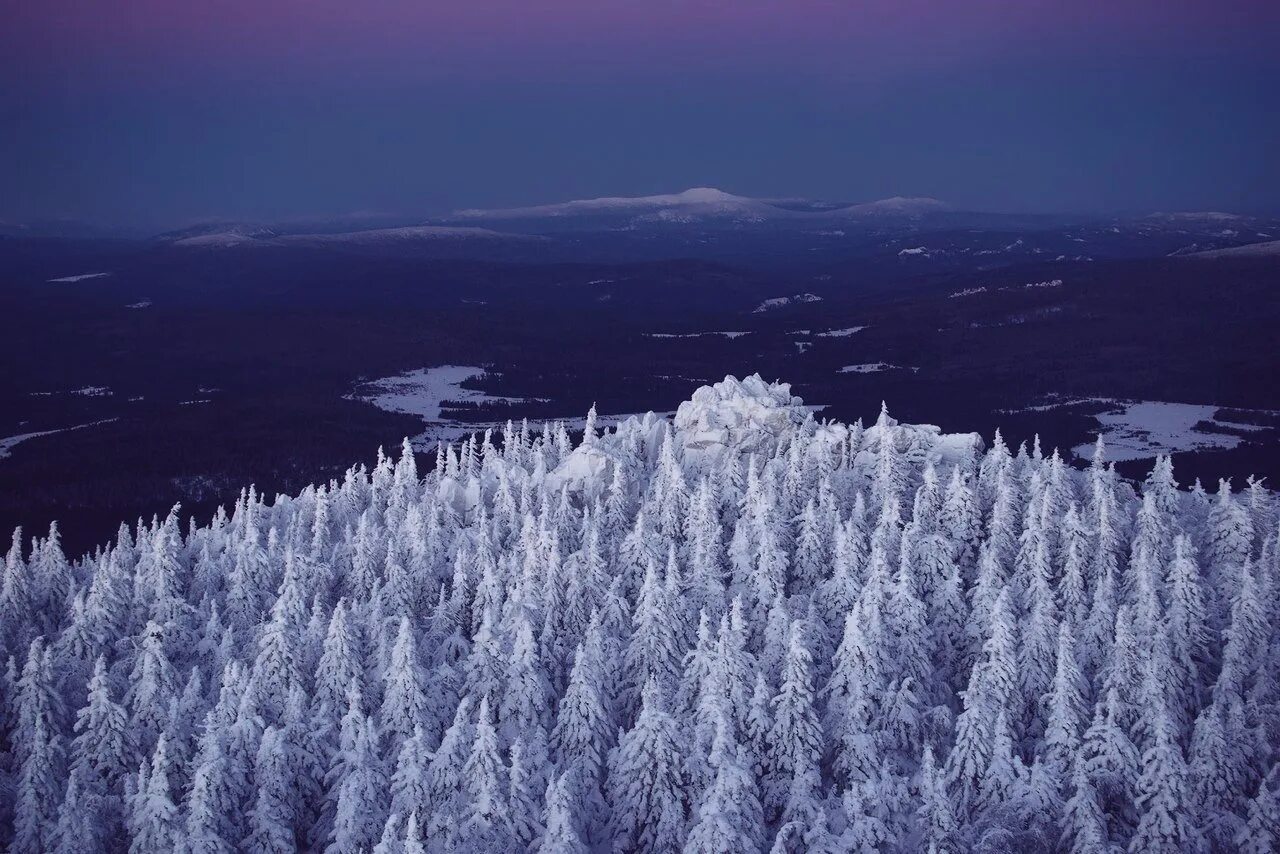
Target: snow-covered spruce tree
{"points": [[740, 629], [647, 790]]}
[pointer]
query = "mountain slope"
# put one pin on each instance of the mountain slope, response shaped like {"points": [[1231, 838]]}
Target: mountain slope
{"points": [[703, 199], [1266, 249], [742, 630]]}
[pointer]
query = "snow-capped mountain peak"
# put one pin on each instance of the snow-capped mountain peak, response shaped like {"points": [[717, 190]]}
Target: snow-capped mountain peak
{"points": [[693, 197], [897, 206]]}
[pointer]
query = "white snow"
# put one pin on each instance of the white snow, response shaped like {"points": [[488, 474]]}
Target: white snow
{"points": [[896, 206], [968, 292], [1270, 248], [875, 368], [7, 444], [701, 197], [86, 391], [1193, 216], [1144, 429], [715, 494], [146, 303], [920, 251], [841, 333], [1052, 283], [221, 239], [78, 278], [742, 417], [702, 202], [1055, 402], [729, 335], [407, 234], [424, 393], [779, 302]]}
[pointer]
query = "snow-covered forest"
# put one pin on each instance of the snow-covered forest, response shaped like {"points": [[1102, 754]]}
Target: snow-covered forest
{"points": [[744, 630]]}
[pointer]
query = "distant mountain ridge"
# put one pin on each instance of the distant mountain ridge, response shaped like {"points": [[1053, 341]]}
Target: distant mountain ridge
{"points": [[226, 235], [706, 203]]}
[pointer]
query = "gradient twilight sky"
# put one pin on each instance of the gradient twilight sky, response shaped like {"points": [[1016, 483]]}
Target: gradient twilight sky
{"points": [[160, 112]]}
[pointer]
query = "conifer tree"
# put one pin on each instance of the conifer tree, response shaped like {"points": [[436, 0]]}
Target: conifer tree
{"points": [[39, 791], [646, 780], [729, 816], [78, 828], [483, 823], [795, 736], [1161, 795], [562, 836], [1261, 833], [155, 824], [360, 810], [404, 697], [937, 815], [1084, 825], [654, 650], [1066, 705], [271, 816], [523, 800], [339, 668]]}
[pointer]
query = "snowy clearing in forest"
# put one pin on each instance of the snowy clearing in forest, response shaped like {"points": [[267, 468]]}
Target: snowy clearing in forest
{"points": [[875, 368], [8, 443], [729, 335], [77, 278], [1145, 429], [841, 333], [425, 392], [86, 391], [779, 302]]}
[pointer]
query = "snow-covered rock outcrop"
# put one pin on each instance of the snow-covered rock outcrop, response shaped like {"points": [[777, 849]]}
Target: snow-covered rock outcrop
{"points": [[748, 416], [741, 418]]}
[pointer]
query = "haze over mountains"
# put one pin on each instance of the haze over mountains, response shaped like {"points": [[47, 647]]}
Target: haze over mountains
{"points": [[703, 207], [709, 223], [710, 203]]}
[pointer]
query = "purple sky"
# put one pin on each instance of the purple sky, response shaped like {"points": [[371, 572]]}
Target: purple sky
{"points": [[422, 39], [84, 83]]}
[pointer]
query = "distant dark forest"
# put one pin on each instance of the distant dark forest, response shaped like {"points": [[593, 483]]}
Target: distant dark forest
{"points": [[271, 339]]}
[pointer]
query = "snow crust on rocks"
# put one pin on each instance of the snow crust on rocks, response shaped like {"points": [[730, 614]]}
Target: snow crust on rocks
{"points": [[747, 416], [740, 417]]}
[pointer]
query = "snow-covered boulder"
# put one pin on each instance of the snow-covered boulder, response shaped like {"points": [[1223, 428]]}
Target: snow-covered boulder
{"points": [[587, 471], [743, 417], [921, 442], [747, 416]]}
